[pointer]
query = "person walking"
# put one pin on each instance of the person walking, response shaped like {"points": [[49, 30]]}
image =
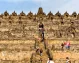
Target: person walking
{"points": [[41, 30], [67, 45], [62, 47], [41, 51], [68, 60], [50, 60]]}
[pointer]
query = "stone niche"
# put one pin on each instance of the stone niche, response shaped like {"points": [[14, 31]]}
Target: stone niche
{"points": [[22, 14], [14, 15], [66, 15], [74, 15], [5, 15], [30, 15], [57, 15], [50, 15]]}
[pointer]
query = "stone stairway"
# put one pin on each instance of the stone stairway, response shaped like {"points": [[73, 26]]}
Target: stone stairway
{"points": [[44, 54], [40, 58], [41, 45], [44, 57]]}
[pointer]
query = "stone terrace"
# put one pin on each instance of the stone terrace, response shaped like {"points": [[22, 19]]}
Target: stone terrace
{"points": [[22, 26], [17, 41], [16, 51]]}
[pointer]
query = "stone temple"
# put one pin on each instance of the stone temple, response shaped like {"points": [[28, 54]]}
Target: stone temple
{"points": [[22, 26], [18, 31]]}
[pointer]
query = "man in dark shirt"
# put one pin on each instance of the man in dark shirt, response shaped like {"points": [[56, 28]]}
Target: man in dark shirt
{"points": [[41, 30], [41, 25]]}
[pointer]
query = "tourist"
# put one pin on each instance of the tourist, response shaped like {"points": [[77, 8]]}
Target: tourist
{"points": [[42, 34], [67, 45], [62, 46], [41, 51], [41, 30], [50, 60], [41, 25], [67, 60], [38, 50]]}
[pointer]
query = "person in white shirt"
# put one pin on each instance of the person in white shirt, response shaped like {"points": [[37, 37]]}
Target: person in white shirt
{"points": [[67, 60], [50, 60]]}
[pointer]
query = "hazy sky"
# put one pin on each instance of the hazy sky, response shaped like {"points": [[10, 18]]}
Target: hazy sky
{"points": [[33, 5]]}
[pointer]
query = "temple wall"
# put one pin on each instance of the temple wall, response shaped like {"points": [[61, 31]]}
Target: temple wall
{"points": [[25, 30], [24, 26]]}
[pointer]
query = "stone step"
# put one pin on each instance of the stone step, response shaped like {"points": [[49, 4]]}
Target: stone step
{"points": [[41, 46], [63, 55]]}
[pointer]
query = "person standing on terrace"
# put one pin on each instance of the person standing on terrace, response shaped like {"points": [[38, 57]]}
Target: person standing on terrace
{"points": [[41, 30]]}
